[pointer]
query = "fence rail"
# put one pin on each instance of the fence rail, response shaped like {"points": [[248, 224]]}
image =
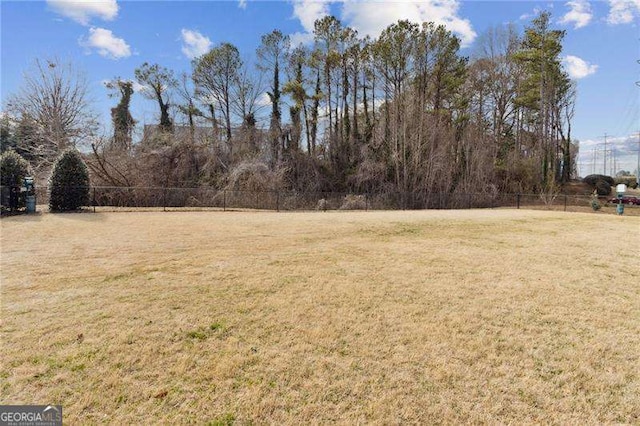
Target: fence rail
{"points": [[206, 198]]}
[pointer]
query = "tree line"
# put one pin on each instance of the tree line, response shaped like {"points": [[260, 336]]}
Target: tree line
{"points": [[403, 112]]}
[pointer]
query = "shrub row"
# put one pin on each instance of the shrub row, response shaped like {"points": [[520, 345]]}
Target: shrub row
{"points": [[68, 185], [601, 183]]}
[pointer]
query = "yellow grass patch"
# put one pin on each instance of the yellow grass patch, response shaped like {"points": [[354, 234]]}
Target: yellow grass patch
{"points": [[370, 317]]}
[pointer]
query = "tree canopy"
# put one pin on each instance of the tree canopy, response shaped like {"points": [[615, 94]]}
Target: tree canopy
{"points": [[403, 112]]}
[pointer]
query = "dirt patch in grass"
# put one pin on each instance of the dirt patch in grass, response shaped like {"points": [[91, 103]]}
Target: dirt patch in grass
{"points": [[370, 317]]}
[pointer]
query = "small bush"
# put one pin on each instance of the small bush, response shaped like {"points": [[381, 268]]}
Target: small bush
{"points": [[193, 202], [630, 181], [594, 179], [254, 176], [603, 187], [354, 202], [322, 205], [595, 203], [601, 183], [13, 168], [69, 183]]}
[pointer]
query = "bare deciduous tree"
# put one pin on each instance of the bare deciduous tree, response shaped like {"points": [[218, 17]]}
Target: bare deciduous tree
{"points": [[188, 106], [54, 100]]}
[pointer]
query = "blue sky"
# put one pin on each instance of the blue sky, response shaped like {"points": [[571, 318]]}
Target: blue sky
{"points": [[110, 38]]}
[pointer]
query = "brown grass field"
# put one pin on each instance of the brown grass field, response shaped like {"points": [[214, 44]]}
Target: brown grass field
{"points": [[475, 316]]}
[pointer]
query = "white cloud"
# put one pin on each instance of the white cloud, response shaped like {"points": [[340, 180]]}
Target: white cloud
{"points": [[578, 68], [137, 87], [307, 12], [194, 44], [579, 14], [371, 17], [263, 100], [106, 44], [527, 16], [591, 158], [83, 11], [296, 39], [242, 4], [623, 11]]}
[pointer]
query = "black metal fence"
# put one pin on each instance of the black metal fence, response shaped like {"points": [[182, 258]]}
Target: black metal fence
{"points": [[208, 198]]}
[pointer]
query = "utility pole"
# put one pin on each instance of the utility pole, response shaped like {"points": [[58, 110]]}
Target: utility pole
{"points": [[638, 165], [604, 160]]}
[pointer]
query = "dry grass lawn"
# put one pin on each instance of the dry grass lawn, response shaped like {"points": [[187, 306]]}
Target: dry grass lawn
{"points": [[475, 316]]}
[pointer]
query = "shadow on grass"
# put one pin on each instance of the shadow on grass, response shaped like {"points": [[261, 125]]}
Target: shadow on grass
{"points": [[22, 216], [86, 215]]}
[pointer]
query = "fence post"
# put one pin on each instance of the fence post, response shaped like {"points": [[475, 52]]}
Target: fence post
{"points": [[366, 202], [94, 199], [518, 200], [164, 199], [224, 200], [277, 201], [565, 202]]}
